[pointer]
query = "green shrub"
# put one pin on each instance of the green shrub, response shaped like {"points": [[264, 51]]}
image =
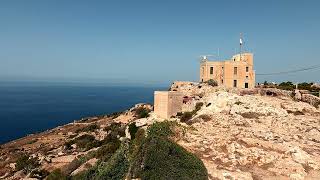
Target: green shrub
{"points": [[57, 175], [198, 106], [133, 130], [90, 128], [160, 158], [106, 151], [162, 129], [186, 116], [85, 142], [212, 82], [116, 129], [26, 163], [142, 112], [286, 86]]}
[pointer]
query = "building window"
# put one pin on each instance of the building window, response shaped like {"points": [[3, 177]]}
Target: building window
{"points": [[211, 70], [247, 69], [247, 77], [235, 70], [246, 85], [221, 81], [202, 71], [234, 83]]}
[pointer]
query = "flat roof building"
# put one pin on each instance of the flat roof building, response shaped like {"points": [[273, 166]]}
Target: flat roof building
{"points": [[234, 73], [167, 103]]}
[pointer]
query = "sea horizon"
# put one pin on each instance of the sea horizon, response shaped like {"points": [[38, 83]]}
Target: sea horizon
{"points": [[33, 107]]}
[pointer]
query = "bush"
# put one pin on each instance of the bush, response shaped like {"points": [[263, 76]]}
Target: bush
{"points": [[286, 86], [161, 129], [90, 128], [26, 163], [57, 175], [186, 116], [212, 82], [85, 142], [160, 158], [198, 106], [141, 112], [133, 130]]}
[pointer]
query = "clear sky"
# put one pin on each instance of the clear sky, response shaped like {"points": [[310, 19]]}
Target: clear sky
{"points": [[154, 41]]}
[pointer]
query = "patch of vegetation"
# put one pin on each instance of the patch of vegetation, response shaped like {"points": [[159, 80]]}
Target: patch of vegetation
{"points": [[286, 86], [57, 175], [26, 163], [142, 112], [161, 158], [90, 128], [212, 82], [39, 173], [116, 129], [85, 142], [251, 115], [186, 116], [32, 141], [115, 168], [198, 106], [133, 130]]}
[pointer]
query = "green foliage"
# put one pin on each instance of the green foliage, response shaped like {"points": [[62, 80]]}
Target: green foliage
{"points": [[116, 129], [286, 85], [186, 116], [212, 82], [161, 129], [198, 106], [106, 151], [133, 129], [57, 175], [85, 142], [160, 158], [26, 163], [115, 168], [90, 128], [142, 112]]}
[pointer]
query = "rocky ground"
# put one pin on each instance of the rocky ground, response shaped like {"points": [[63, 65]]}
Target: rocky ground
{"points": [[238, 134], [253, 136]]}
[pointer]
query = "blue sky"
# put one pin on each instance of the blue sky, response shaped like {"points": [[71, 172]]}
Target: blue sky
{"points": [[153, 41]]}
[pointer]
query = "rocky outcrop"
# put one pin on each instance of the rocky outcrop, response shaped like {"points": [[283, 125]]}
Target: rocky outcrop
{"points": [[259, 134]]}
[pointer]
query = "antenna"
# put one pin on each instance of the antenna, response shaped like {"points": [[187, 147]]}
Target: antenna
{"points": [[240, 45]]}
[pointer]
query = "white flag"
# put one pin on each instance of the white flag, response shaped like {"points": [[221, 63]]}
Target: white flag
{"points": [[240, 41]]}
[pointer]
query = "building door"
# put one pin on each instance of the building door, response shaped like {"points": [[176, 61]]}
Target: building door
{"points": [[234, 83], [246, 85]]}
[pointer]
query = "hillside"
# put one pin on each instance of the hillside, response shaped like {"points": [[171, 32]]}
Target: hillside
{"points": [[221, 134]]}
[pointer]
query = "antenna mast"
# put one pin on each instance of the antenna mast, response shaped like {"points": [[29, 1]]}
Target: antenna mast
{"points": [[240, 45]]}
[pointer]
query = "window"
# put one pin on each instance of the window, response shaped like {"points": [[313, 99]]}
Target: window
{"points": [[247, 69], [221, 81], [201, 80], [235, 70], [246, 85], [234, 83], [247, 77], [202, 71], [211, 70]]}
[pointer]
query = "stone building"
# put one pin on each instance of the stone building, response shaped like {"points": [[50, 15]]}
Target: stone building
{"points": [[167, 103], [234, 73]]}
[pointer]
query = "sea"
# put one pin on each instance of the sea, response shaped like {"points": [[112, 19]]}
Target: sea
{"points": [[27, 108]]}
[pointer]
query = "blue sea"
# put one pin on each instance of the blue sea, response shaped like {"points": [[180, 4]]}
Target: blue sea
{"points": [[27, 108]]}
